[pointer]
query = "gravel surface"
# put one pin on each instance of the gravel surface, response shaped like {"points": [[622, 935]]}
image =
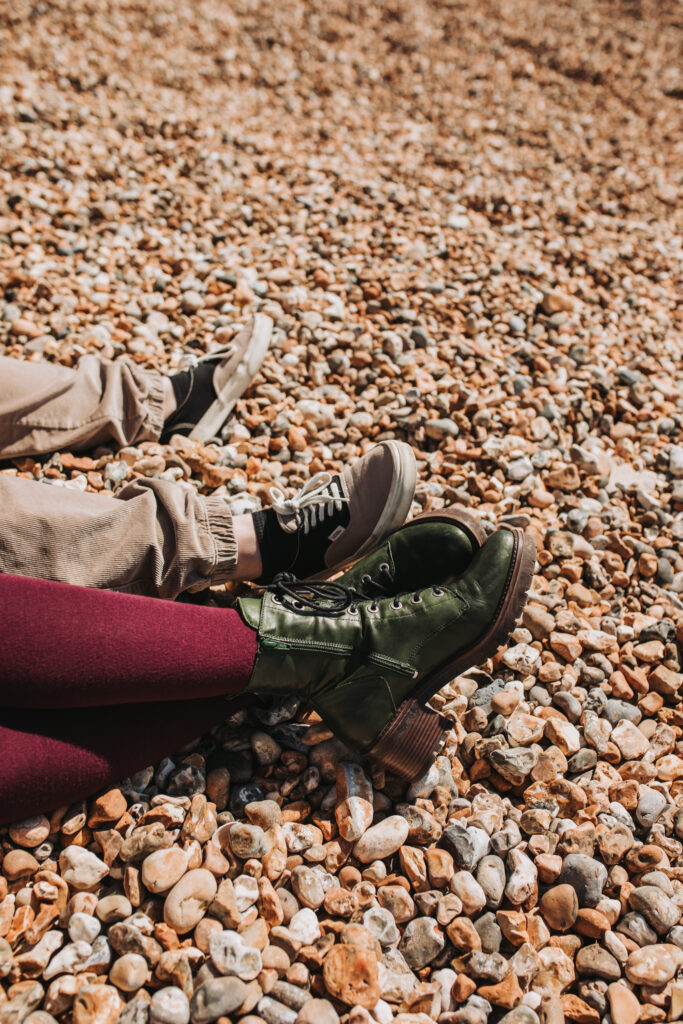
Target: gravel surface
{"points": [[465, 221]]}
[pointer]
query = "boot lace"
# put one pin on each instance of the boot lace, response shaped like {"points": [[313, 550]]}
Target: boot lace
{"points": [[319, 498], [316, 598], [331, 599], [384, 580]]}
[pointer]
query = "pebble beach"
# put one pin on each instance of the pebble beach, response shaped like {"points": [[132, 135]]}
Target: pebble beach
{"points": [[465, 222]]}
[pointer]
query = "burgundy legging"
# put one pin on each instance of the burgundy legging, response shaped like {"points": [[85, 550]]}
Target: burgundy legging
{"points": [[140, 677]]}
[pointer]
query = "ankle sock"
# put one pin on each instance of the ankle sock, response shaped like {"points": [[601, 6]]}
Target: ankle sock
{"points": [[194, 393], [278, 549], [299, 549]]}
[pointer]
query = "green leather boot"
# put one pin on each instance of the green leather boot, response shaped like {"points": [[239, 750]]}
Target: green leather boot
{"points": [[369, 665], [433, 548]]}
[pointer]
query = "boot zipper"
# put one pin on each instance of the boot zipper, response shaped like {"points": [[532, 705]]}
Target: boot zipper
{"points": [[381, 660], [400, 667], [307, 645]]}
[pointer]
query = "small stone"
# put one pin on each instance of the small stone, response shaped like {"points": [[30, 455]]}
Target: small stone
{"points": [[317, 1011], [520, 1015], [107, 808], [651, 803], [381, 840], [563, 735], [522, 658], [187, 901], [514, 764], [96, 1004], [129, 972], [230, 955], [192, 301], [304, 926], [163, 868], [169, 1006], [656, 907], [351, 975], [492, 879], [522, 881], [422, 941], [274, 1012], [595, 962], [653, 965], [470, 893], [354, 808], [560, 907], [466, 845], [380, 923], [630, 740], [578, 1010], [586, 876], [80, 868], [112, 908], [19, 865], [623, 1006], [218, 997], [31, 832], [84, 928], [506, 993], [247, 840], [307, 885]]}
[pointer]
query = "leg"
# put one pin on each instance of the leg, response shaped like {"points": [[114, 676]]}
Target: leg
{"points": [[44, 407], [65, 647], [51, 758], [156, 537]]}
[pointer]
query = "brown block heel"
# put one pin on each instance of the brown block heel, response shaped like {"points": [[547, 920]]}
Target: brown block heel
{"points": [[416, 734], [411, 740]]}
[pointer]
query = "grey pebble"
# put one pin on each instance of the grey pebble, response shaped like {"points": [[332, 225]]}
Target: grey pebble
{"points": [[422, 941], [651, 803], [596, 962], [656, 907], [491, 877], [274, 1012], [586, 875], [466, 845], [489, 933], [216, 998]]}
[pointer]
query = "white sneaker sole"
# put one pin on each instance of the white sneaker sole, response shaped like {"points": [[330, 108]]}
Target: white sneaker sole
{"points": [[396, 509], [254, 354], [399, 499]]}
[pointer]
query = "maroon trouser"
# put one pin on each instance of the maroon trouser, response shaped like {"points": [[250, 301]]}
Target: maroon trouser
{"points": [[95, 685]]}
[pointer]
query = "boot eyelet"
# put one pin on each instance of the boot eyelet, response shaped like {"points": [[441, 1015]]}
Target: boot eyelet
{"points": [[276, 599], [396, 604], [365, 579], [298, 605], [353, 610], [416, 599], [384, 567], [437, 591], [373, 607]]}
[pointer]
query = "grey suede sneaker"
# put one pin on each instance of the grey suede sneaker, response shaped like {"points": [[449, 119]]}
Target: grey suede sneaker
{"points": [[333, 520]]}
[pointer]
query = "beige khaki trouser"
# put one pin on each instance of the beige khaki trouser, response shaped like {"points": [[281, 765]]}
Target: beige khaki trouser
{"points": [[155, 537]]}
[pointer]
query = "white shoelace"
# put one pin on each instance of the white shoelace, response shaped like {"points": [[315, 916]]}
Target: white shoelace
{"points": [[319, 497]]}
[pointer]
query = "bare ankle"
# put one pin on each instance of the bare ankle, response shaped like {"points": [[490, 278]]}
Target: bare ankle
{"points": [[248, 566]]}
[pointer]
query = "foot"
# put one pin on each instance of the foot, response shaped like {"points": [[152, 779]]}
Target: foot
{"points": [[334, 520], [368, 666], [433, 548], [205, 394]]}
